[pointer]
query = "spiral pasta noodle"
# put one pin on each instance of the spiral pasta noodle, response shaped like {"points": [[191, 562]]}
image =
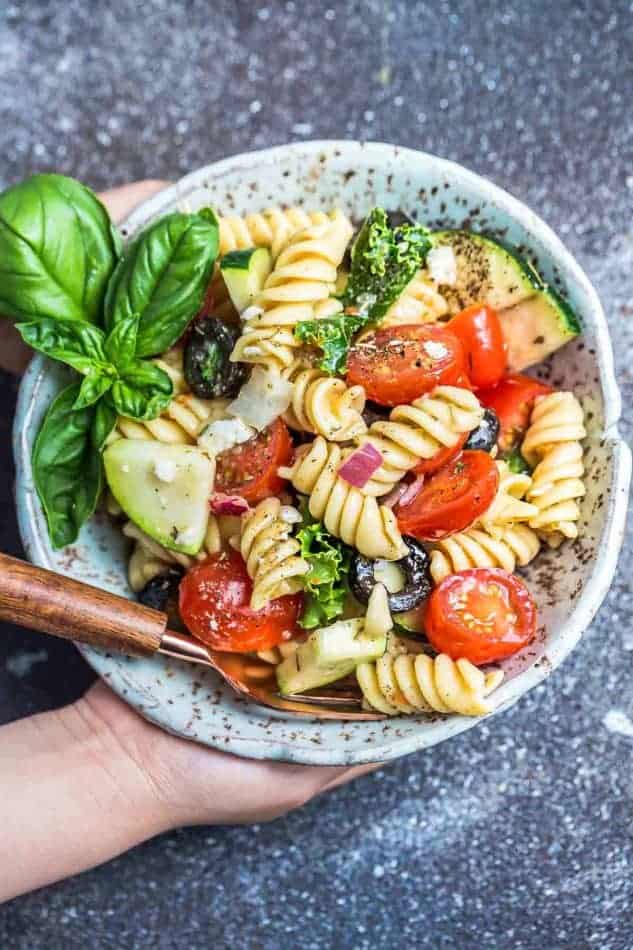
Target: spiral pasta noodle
{"points": [[552, 442], [346, 512], [324, 404], [298, 288], [412, 683], [419, 431], [271, 228], [508, 506], [419, 302], [271, 552], [514, 544]]}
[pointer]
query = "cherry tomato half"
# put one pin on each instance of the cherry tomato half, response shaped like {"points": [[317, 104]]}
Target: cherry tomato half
{"points": [[451, 499], [480, 332], [512, 401], [398, 364], [214, 605], [483, 615], [443, 457], [250, 469]]}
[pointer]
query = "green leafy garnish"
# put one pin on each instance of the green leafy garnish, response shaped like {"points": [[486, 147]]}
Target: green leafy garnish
{"points": [[85, 301], [516, 463], [326, 586], [384, 260], [162, 277], [67, 467], [333, 336]]}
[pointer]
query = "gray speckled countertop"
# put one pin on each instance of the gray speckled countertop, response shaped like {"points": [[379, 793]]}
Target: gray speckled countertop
{"points": [[517, 834]]}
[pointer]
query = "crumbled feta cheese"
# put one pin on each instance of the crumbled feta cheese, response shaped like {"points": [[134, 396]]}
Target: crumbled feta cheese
{"points": [[223, 434], [251, 313], [262, 398], [289, 515], [187, 537], [434, 349], [442, 265], [165, 470]]}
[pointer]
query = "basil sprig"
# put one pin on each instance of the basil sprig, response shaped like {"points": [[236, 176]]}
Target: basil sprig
{"points": [[84, 301]]}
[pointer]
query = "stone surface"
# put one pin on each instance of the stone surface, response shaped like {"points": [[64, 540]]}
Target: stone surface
{"points": [[517, 834]]}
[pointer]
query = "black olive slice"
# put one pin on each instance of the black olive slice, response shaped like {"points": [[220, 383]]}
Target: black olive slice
{"points": [[161, 589], [417, 579], [484, 437], [208, 370]]}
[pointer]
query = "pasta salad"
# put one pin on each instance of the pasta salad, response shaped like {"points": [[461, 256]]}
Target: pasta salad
{"points": [[317, 434]]}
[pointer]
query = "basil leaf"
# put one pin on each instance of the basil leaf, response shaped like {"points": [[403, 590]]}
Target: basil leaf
{"points": [[103, 423], [143, 393], [75, 342], [120, 346], [57, 250], [66, 467], [163, 277], [95, 385]]}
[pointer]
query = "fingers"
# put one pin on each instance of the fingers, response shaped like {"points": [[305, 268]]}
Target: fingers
{"points": [[120, 201], [350, 773]]}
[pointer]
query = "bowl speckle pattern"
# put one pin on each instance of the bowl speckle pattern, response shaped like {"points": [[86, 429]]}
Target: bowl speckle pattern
{"points": [[568, 584]]}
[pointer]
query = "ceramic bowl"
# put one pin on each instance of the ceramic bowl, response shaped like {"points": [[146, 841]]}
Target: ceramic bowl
{"points": [[568, 585]]}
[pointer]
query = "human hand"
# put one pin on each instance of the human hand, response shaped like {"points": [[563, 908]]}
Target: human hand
{"points": [[85, 783]]}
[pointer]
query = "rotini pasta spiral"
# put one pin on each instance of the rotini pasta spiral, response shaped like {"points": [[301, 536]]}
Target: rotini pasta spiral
{"points": [[271, 553], [324, 404], [553, 441], [279, 653], [346, 512], [419, 431], [297, 289], [271, 228], [419, 302], [514, 544], [412, 683], [508, 506]]}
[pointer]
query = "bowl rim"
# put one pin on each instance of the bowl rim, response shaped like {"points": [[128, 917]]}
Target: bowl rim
{"points": [[615, 515]]}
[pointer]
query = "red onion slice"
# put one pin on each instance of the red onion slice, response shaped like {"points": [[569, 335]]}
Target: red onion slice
{"points": [[358, 467], [222, 504], [411, 490]]}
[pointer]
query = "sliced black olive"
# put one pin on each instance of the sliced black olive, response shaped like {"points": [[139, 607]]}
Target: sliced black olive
{"points": [[208, 369], [484, 437], [417, 579], [373, 412], [161, 589]]}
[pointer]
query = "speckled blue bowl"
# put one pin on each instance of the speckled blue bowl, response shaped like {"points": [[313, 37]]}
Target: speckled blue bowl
{"points": [[569, 585]]}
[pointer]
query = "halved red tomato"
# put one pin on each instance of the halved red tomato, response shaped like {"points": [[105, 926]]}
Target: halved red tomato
{"points": [[443, 457], [250, 469], [398, 364], [484, 614], [512, 401], [480, 332], [214, 605], [451, 499]]}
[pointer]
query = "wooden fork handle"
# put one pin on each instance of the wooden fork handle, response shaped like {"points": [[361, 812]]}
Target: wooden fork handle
{"points": [[51, 603]]}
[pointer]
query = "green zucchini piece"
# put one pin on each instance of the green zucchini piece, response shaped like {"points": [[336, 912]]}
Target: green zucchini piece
{"points": [[536, 327], [244, 274], [163, 488], [327, 655], [487, 272]]}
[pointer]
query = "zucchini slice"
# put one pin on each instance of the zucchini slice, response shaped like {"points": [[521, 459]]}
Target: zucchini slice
{"points": [[244, 274], [163, 488], [327, 655], [487, 272], [536, 327]]}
